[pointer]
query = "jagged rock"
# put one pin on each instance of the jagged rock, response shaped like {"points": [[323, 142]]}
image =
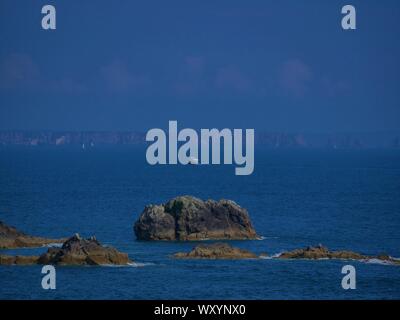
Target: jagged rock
{"points": [[11, 238], [75, 251], [79, 251], [189, 218], [215, 251]]}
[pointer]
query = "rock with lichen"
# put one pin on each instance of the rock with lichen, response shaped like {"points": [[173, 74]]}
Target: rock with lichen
{"points": [[189, 218]]}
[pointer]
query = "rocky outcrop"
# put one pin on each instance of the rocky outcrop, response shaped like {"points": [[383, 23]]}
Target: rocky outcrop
{"points": [[11, 238], [74, 251], [79, 251], [21, 260], [188, 218], [215, 251], [321, 252]]}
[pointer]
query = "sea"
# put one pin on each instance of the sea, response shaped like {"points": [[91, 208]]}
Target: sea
{"points": [[343, 199]]}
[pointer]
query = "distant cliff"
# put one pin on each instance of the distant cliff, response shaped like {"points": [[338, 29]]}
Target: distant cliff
{"points": [[86, 138], [268, 140]]}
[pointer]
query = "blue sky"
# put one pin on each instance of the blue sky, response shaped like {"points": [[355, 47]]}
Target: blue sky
{"points": [[133, 65]]}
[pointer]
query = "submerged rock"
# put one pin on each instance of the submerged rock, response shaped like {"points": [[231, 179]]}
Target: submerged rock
{"points": [[321, 252], [215, 251], [11, 238], [74, 251], [188, 218], [20, 260]]}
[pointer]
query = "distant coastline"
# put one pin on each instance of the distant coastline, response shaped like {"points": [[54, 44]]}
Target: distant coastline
{"points": [[268, 139]]}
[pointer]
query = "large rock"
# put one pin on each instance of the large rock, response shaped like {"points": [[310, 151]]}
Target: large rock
{"points": [[11, 238], [216, 251], [189, 218], [79, 251]]}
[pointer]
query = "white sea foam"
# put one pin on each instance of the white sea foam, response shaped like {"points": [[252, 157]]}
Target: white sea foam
{"points": [[140, 264], [273, 256], [53, 245], [369, 261], [129, 265], [382, 262], [277, 255], [265, 238]]}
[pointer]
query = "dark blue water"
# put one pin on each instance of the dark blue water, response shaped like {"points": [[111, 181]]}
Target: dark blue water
{"points": [[342, 199]]}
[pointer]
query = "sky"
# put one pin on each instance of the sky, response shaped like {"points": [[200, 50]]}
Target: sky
{"points": [[134, 65]]}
